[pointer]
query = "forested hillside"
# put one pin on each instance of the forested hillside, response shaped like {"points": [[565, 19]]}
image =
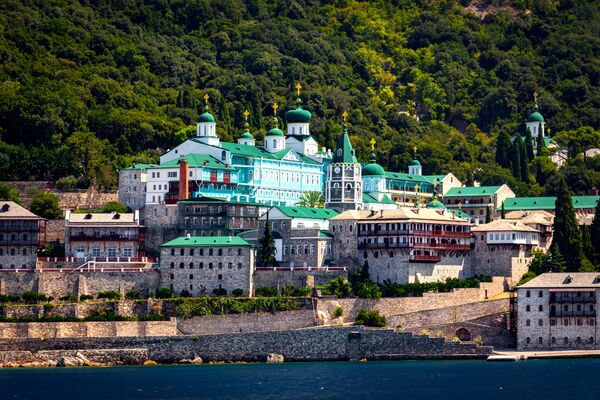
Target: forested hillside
{"points": [[87, 87]]}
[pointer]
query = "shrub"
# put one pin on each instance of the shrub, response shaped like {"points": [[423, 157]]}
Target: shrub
{"points": [[338, 312], [66, 183], [527, 277], [237, 292], [153, 317], [370, 318], [220, 292], [165, 293], [68, 297], [133, 294], [48, 307], [105, 314], [368, 290], [85, 297], [46, 205], [8, 298], [114, 206], [338, 286], [185, 293], [478, 340], [33, 297], [266, 292], [187, 308], [109, 294]]}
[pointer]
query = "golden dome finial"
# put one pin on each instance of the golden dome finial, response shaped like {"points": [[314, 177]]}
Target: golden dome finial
{"points": [[245, 114], [275, 107], [298, 88]]}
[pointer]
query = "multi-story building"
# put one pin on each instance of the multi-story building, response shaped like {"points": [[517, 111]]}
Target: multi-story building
{"points": [[22, 234], [541, 221], [584, 205], [132, 185], [475, 201], [103, 235], [503, 248], [558, 311], [207, 265], [302, 237], [206, 216], [404, 245]]}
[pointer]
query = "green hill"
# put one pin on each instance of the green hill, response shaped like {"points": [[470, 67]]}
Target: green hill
{"points": [[88, 87]]}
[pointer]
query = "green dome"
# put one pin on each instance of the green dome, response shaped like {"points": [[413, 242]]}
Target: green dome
{"points": [[435, 203], [275, 132], [415, 162], [373, 169], [298, 115], [206, 117], [535, 117], [246, 135]]}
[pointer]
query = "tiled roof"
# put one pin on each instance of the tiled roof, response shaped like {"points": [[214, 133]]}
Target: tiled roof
{"points": [[547, 203], [215, 200], [468, 191], [206, 241], [559, 280], [141, 166], [503, 225], [401, 213], [539, 217], [197, 161], [305, 212], [101, 218], [11, 210]]}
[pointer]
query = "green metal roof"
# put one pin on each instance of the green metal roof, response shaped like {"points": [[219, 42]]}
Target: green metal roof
{"points": [[435, 203], [197, 161], [461, 214], [298, 115], [415, 162], [535, 117], [206, 117], [245, 150], [367, 198], [373, 169], [274, 132], [206, 241], [472, 191], [305, 212], [401, 176], [216, 200], [246, 135], [344, 144], [141, 166], [325, 234], [547, 203]]}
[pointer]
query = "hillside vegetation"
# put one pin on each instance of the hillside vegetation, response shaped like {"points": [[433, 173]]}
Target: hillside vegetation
{"points": [[87, 87]]}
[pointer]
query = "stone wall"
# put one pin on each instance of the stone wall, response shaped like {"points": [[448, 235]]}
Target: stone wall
{"points": [[507, 260], [326, 344], [58, 284], [298, 279], [160, 221], [255, 322], [132, 188], [55, 231], [46, 330]]}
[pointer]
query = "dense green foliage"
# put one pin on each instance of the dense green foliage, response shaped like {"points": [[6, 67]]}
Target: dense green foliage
{"points": [[45, 205], [9, 193], [370, 318], [187, 308], [391, 289], [87, 88], [265, 255], [566, 234]]}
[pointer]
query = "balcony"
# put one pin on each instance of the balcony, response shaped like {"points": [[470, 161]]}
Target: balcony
{"points": [[383, 245], [207, 213], [382, 232], [19, 242], [441, 246], [105, 238], [420, 258], [7, 227], [572, 313], [442, 233], [571, 298], [214, 225]]}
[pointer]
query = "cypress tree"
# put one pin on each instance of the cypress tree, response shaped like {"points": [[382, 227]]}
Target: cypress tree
{"points": [[503, 148], [595, 235], [541, 144], [524, 163], [586, 242], [557, 263], [529, 144], [266, 247], [516, 158], [488, 215], [567, 236], [502, 212]]}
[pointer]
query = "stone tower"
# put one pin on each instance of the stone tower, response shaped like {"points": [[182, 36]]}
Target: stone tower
{"points": [[343, 189]]}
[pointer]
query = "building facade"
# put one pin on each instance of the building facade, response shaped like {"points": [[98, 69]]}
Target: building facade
{"points": [[104, 235], [132, 186], [207, 265], [22, 234], [404, 245], [557, 311], [476, 200]]}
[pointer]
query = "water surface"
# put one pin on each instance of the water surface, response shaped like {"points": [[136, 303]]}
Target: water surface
{"points": [[533, 379]]}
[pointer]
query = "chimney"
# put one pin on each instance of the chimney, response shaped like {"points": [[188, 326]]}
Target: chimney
{"points": [[183, 179]]}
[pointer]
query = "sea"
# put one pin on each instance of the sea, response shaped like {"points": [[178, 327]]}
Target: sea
{"points": [[465, 380]]}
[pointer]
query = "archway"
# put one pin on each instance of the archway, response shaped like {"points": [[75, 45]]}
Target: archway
{"points": [[463, 334]]}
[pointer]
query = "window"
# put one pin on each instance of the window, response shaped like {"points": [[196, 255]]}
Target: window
{"points": [[191, 265], [172, 252], [528, 308], [541, 322], [95, 252], [191, 276], [181, 252], [201, 265], [191, 252], [210, 252], [528, 294], [201, 252], [112, 252], [220, 265], [220, 252], [128, 252], [24, 252], [239, 252], [527, 323], [172, 265], [540, 294], [210, 265], [172, 174], [181, 266], [527, 340], [541, 308], [220, 277], [229, 265], [540, 340]]}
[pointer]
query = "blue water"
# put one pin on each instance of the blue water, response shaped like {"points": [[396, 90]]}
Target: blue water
{"points": [[465, 380]]}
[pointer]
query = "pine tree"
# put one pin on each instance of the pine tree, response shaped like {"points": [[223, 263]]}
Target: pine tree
{"points": [[503, 149], [488, 215], [586, 242], [266, 247], [524, 163], [529, 145], [503, 212], [557, 263], [595, 235], [516, 158], [567, 236], [541, 144]]}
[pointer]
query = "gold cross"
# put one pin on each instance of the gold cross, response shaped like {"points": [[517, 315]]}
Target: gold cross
{"points": [[535, 96], [245, 114], [345, 116], [298, 87], [548, 130], [415, 150], [206, 97], [275, 107], [373, 141]]}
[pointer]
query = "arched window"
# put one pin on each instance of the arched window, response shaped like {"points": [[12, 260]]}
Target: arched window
{"points": [[210, 265], [191, 265], [220, 265], [528, 340], [528, 323], [181, 265], [201, 265], [172, 265], [239, 265]]}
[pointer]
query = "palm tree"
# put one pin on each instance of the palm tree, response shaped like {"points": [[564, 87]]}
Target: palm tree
{"points": [[312, 200]]}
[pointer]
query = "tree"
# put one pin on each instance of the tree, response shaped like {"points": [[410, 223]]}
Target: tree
{"points": [[114, 206], [529, 145], [312, 199], [556, 262], [9, 193], [541, 143], [266, 247], [539, 262], [503, 212], [524, 163], [567, 236], [488, 214], [46, 205], [516, 158], [595, 234], [503, 150]]}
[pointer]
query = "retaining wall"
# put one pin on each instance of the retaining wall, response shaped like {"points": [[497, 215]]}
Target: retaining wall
{"points": [[46, 330], [295, 278]]}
